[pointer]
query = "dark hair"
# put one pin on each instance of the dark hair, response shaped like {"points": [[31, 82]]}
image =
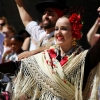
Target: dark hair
{"points": [[18, 38], [21, 32]]}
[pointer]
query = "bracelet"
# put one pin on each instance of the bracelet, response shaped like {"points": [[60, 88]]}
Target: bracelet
{"points": [[4, 55]]}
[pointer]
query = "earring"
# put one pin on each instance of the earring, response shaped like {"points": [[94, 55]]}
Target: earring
{"points": [[74, 43]]}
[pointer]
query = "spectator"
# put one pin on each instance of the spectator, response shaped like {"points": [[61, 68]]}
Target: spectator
{"points": [[15, 48], [29, 43], [51, 10], [8, 30]]}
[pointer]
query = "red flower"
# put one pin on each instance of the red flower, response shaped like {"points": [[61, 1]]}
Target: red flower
{"points": [[76, 24], [53, 55]]}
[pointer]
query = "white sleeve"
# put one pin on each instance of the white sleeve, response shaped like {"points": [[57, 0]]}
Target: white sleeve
{"points": [[35, 30]]}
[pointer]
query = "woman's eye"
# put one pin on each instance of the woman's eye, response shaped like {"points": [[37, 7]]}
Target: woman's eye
{"points": [[64, 29], [56, 29]]}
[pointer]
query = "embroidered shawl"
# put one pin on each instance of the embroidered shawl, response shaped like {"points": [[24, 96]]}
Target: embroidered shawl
{"points": [[43, 78]]}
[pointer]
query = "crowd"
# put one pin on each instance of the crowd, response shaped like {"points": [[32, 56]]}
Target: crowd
{"points": [[46, 59]]}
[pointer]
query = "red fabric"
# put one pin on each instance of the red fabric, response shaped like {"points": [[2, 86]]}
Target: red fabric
{"points": [[64, 60], [6, 95], [58, 11], [53, 55]]}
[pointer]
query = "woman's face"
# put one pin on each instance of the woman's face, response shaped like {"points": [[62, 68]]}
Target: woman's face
{"points": [[63, 33], [7, 32]]}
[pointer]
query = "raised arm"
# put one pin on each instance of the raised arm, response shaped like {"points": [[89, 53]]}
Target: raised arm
{"points": [[93, 55], [25, 16], [91, 60], [92, 35]]}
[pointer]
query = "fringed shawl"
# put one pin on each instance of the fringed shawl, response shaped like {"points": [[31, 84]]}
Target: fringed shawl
{"points": [[39, 79]]}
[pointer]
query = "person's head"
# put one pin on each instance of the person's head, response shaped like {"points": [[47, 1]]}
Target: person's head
{"points": [[68, 29], [51, 10], [3, 21], [16, 43], [24, 34], [9, 31]]}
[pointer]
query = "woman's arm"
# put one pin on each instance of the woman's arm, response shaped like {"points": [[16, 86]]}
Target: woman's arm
{"points": [[26, 43], [92, 35], [93, 55], [91, 60]]}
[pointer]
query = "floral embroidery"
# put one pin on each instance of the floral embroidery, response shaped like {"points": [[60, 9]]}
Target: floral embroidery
{"points": [[53, 55], [64, 81], [53, 72]]}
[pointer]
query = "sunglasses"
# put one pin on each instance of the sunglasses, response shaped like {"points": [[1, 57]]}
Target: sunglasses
{"points": [[2, 24]]}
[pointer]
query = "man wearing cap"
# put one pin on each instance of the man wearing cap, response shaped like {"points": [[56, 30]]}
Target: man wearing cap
{"points": [[51, 10]]}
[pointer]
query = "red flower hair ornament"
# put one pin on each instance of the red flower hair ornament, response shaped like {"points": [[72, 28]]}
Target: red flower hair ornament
{"points": [[76, 24]]}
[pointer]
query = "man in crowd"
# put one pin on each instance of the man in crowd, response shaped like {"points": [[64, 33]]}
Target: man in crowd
{"points": [[51, 10]]}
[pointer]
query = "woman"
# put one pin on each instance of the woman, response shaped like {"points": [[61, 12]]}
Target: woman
{"points": [[58, 73]]}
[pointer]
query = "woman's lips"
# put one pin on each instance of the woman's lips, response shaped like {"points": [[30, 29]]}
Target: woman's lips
{"points": [[60, 37]]}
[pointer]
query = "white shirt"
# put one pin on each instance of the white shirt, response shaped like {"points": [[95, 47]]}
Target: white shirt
{"points": [[37, 33], [1, 45], [14, 57], [32, 46]]}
